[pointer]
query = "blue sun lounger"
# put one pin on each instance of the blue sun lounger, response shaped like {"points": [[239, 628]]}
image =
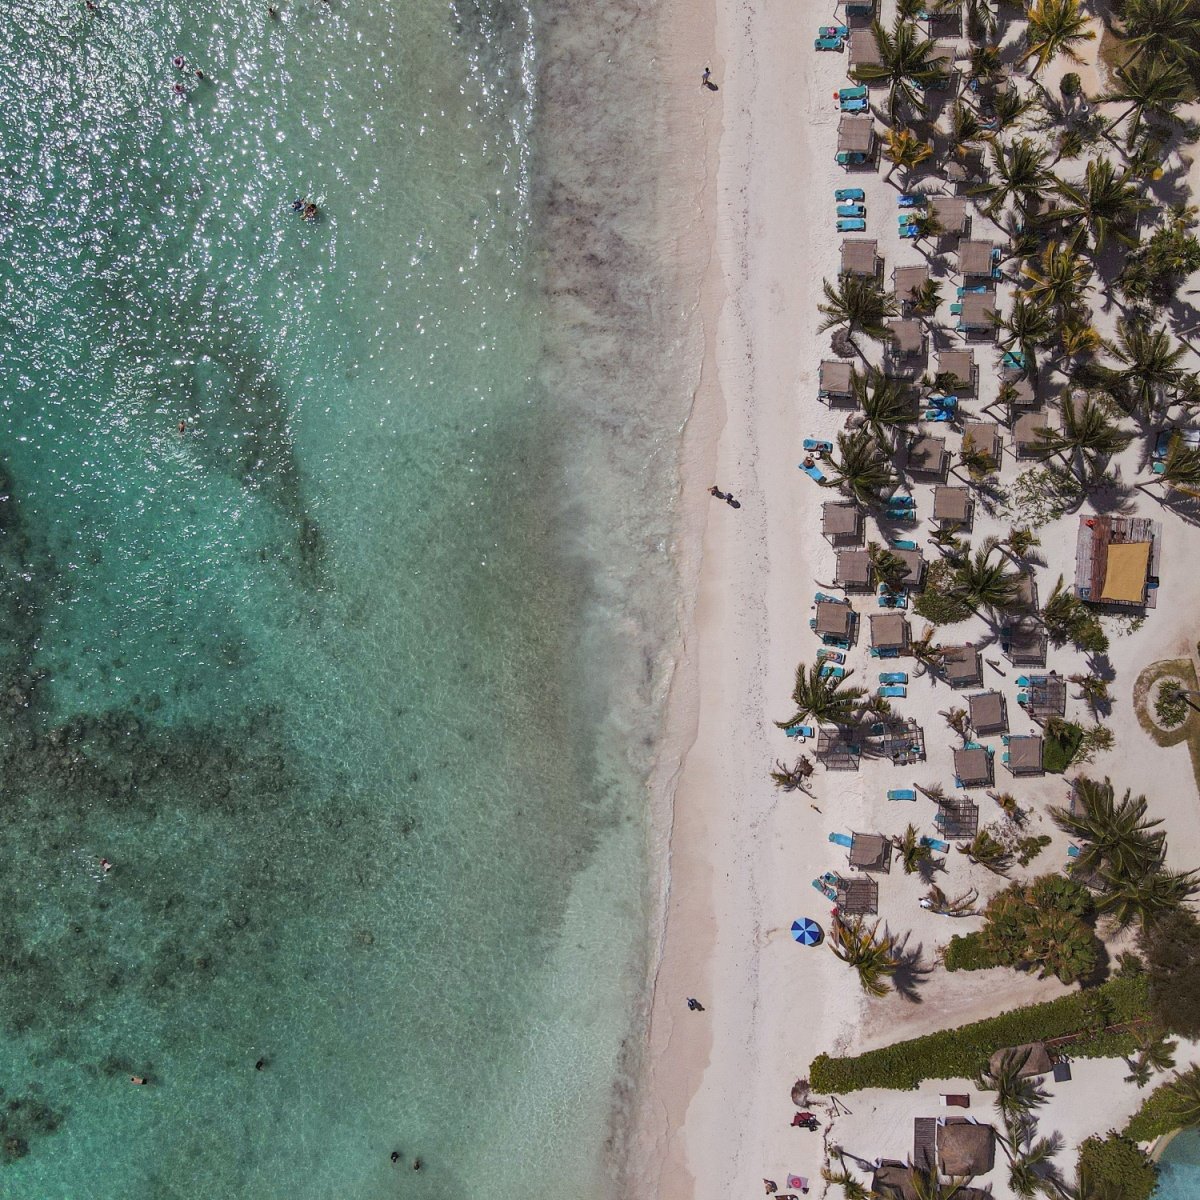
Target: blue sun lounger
{"points": [[944, 401], [849, 193], [832, 671], [852, 106], [895, 692], [1022, 681], [818, 597], [893, 677], [1072, 851], [851, 93], [907, 219], [980, 289], [910, 231], [841, 839], [956, 310], [851, 225], [842, 31], [851, 158], [801, 731], [824, 43], [902, 794], [901, 502], [939, 414], [831, 655], [903, 544], [1013, 360], [934, 844], [851, 210], [911, 202], [828, 892], [813, 472], [818, 445]]}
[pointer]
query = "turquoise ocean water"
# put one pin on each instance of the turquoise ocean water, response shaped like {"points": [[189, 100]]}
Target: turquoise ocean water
{"points": [[355, 681], [1179, 1168]]}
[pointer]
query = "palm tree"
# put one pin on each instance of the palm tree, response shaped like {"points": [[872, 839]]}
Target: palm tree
{"points": [[926, 1184], [927, 225], [1165, 29], [978, 461], [857, 303], [1182, 1096], [1150, 370], [1093, 690], [889, 567], [912, 853], [873, 955], [905, 64], [1154, 87], [1028, 1163], [1020, 175], [1059, 279], [861, 467], [983, 583], [887, 403], [1068, 619], [906, 150], [1116, 836], [1060, 945], [791, 778], [965, 128], [926, 653], [1155, 1052], [986, 64], [1078, 338], [1144, 896], [1016, 1097], [822, 699], [1021, 539], [985, 850], [1181, 467], [1029, 324], [1009, 106], [852, 1189], [961, 906], [1054, 28], [925, 299], [1105, 203], [1088, 436]]}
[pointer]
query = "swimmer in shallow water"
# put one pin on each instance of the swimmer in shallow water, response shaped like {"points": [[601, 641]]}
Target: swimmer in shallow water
{"points": [[177, 62]]}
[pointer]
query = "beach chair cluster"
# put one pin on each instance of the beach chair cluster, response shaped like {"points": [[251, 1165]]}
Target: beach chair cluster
{"points": [[1162, 445], [941, 408], [851, 99], [832, 37], [912, 209], [888, 597], [901, 509], [851, 209]]}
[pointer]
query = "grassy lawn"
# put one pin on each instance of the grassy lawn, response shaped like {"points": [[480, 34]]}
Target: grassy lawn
{"points": [[1057, 753], [1144, 691]]}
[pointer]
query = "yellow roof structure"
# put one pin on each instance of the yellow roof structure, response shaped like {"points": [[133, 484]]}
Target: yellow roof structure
{"points": [[1126, 570]]}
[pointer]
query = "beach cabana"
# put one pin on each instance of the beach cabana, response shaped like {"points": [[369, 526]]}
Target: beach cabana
{"points": [[975, 260], [1024, 644], [889, 631], [952, 505], [893, 1180], [907, 282], [927, 456], [956, 371], [985, 437], [864, 50], [901, 741], [973, 766], [988, 712], [834, 619], [841, 522], [870, 852], [858, 897], [1027, 593], [908, 337], [1033, 1057], [951, 213], [835, 381], [860, 257], [856, 134], [1023, 755], [976, 313], [854, 570], [961, 666], [1026, 442], [957, 818], [915, 563], [1047, 696], [837, 751], [1116, 561], [965, 1148], [1017, 390]]}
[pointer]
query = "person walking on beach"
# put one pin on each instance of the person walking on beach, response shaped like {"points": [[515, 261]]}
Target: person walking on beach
{"points": [[726, 496], [706, 80], [694, 1005]]}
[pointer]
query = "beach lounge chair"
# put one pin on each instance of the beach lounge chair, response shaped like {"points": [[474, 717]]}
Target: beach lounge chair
{"points": [[902, 794], [851, 158], [950, 402], [828, 892], [1159, 468], [813, 472], [849, 93], [842, 31], [1013, 360], [840, 643], [901, 516], [894, 677], [849, 194], [853, 106], [821, 597], [901, 502], [956, 310], [1022, 698], [832, 671], [1022, 681], [934, 844], [851, 210], [818, 445], [910, 231], [895, 692], [939, 414], [827, 43], [910, 202], [903, 219], [979, 289], [801, 731], [841, 839], [1072, 851], [851, 225], [903, 544], [830, 656]]}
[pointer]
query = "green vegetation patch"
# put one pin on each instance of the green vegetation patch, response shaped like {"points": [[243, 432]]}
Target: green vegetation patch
{"points": [[1187, 731], [937, 603], [1058, 752], [1157, 1116], [1170, 708], [1116, 1166], [1089, 1017]]}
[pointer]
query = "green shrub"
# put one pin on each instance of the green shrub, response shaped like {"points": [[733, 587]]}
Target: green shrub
{"points": [[1116, 1166], [1028, 848], [1070, 84], [1170, 708], [1057, 752], [936, 603], [1155, 1118], [951, 1053], [967, 952], [1172, 949]]}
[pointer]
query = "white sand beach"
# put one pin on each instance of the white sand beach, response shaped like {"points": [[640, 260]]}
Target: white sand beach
{"points": [[715, 1106]]}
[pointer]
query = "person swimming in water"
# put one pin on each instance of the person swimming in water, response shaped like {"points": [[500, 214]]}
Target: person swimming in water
{"points": [[311, 212]]}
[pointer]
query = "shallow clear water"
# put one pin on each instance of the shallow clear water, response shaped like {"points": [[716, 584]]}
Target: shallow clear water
{"points": [[1179, 1168], [354, 680]]}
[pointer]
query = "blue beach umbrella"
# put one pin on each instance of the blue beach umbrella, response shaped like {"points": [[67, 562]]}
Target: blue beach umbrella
{"points": [[806, 931]]}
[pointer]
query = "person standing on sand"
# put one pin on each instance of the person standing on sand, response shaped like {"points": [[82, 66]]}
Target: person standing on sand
{"points": [[694, 1005]]}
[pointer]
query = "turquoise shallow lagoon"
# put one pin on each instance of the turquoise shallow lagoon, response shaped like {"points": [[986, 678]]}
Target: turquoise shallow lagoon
{"points": [[355, 680]]}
